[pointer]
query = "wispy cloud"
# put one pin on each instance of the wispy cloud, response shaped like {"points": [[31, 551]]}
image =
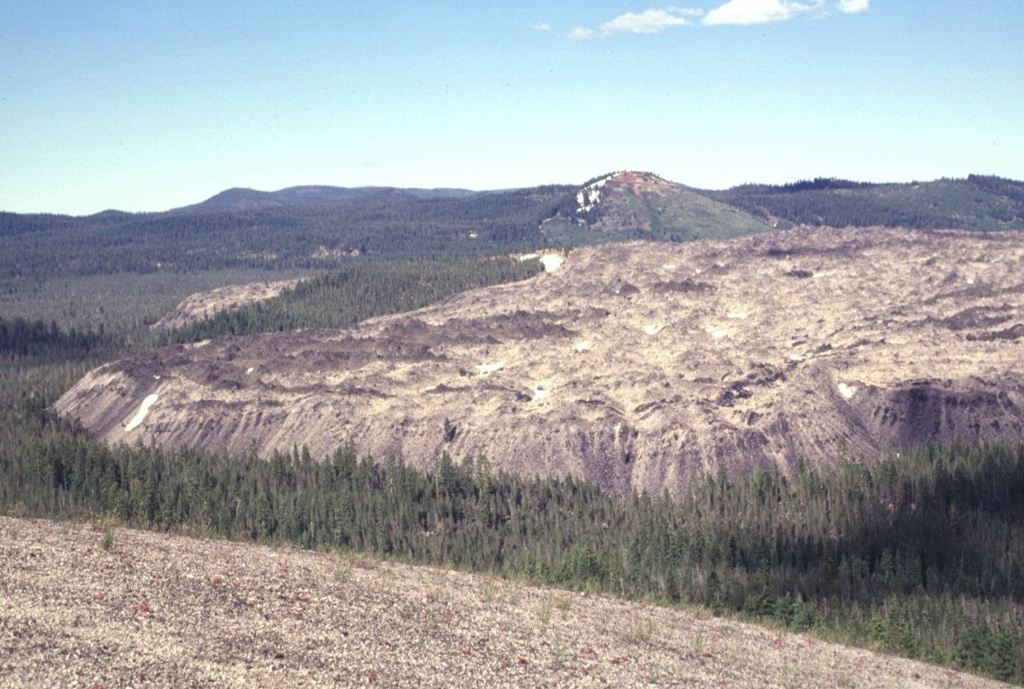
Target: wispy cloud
{"points": [[648, 21], [854, 6], [542, 26], [762, 11], [581, 32]]}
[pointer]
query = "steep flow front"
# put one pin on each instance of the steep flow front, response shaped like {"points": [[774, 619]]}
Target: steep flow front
{"points": [[638, 366]]}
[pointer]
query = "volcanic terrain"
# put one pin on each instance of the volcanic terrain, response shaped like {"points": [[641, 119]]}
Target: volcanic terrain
{"points": [[637, 366], [161, 610]]}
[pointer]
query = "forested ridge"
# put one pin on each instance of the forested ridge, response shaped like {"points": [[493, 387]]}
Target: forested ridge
{"points": [[976, 203], [311, 236], [245, 229]]}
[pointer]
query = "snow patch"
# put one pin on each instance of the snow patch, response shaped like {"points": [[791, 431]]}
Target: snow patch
{"points": [[970, 281], [583, 346], [795, 357], [586, 199], [589, 196], [652, 329], [715, 333], [484, 369], [669, 266], [249, 371], [540, 393], [528, 257], [740, 315], [141, 414], [846, 391], [552, 262], [818, 275]]}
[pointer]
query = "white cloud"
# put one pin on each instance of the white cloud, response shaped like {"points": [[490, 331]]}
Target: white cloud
{"points": [[854, 6], [762, 11], [744, 12], [649, 21], [542, 26]]}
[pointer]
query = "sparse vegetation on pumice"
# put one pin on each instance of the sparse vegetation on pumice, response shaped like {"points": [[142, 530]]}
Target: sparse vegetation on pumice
{"points": [[176, 610]]}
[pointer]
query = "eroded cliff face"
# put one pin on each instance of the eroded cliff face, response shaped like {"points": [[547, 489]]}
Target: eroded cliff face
{"points": [[638, 366]]}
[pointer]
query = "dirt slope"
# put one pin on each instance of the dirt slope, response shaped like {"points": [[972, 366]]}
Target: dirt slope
{"points": [[157, 610], [636, 365]]}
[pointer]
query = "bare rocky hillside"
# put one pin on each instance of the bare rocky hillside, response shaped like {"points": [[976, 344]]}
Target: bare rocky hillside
{"points": [[157, 610], [637, 366]]}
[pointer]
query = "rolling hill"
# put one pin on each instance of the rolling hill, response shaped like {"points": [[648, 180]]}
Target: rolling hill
{"points": [[641, 205], [240, 199]]}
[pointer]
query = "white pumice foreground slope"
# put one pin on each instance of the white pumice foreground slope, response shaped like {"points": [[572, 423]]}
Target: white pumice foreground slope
{"points": [[160, 610]]}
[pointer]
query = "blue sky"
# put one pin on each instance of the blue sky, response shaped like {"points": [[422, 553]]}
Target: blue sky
{"points": [[148, 105]]}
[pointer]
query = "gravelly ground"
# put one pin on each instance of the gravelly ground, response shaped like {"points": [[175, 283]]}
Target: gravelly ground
{"points": [[159, 610]]}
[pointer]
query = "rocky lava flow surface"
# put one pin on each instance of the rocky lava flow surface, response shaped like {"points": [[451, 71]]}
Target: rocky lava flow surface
{"points": [[637, 366], [204, 304]]}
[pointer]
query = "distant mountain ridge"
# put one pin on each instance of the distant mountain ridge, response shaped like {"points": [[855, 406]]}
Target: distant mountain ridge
{"points": [[320, 227], [240, 198]]}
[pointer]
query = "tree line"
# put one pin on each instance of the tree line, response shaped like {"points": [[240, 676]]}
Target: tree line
{"points": [[921, 554]]}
